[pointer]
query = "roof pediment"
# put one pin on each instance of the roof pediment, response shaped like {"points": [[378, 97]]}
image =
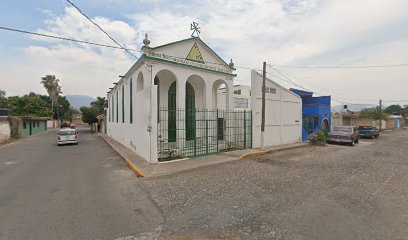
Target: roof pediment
{"points": [[191, 51]]}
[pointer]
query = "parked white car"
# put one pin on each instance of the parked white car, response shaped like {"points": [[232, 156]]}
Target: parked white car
{"points": [[67, 136]]}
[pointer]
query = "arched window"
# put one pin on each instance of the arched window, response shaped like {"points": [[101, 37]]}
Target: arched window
{"points": [[131, 101], [140, 82], [123, 103]]}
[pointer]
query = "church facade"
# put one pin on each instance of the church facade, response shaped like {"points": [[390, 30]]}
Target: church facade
{"points": [[168, 105]]}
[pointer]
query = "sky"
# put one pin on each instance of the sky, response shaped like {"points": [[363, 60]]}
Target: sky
{"points": [[313, 33]]}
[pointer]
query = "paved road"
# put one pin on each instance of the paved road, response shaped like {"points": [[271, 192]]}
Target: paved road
{"points": [[86, 192], [330, 192], [70, 192]]}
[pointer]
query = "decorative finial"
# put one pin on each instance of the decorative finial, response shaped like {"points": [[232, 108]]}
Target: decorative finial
{"points": [[231, 64], [196, 29], [146, 41]]}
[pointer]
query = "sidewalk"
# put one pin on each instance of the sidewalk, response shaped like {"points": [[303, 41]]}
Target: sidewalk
{"points": [[181, 165]]}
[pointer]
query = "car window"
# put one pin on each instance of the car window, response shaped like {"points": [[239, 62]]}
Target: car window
{"points": [[342, 129], [66, 133], [365, 128]]}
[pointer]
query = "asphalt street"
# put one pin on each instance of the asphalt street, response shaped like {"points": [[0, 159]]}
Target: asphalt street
{"points": [[80, 191], [322, 192], [317, 192]]}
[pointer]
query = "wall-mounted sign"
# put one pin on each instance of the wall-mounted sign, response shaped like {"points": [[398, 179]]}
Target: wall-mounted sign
{"points": [[162, 56], [270, 90]]}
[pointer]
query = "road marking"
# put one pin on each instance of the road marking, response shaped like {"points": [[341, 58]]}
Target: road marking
{"points": [[11, 162]]}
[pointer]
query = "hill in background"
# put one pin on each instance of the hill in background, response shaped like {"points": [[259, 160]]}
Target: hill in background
{"points": [[78, 101]]}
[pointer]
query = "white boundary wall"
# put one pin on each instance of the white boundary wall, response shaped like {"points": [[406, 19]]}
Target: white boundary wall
{"points": [[283, 113], [5, 131]]}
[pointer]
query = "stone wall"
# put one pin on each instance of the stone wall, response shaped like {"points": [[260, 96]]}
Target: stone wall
{"points": [[5, 131]]}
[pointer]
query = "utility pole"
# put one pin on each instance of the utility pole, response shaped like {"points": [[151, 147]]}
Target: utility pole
{"points": [[263, 105], [381, 115]]}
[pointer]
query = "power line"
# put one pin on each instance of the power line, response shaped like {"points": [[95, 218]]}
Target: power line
{"points": [[342, 97], [342, 67], [95, 44], [328, 90], [288, 80], [100, 28], [62, 38], [285, 78]]}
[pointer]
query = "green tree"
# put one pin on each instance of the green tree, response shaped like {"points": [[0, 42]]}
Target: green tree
{"points": [[64, 109], [394, 109], [31, 104], [406, 110], [2, 93], [374, 113], [89, 115], [99, 104], [3, 99], [51, 84]]}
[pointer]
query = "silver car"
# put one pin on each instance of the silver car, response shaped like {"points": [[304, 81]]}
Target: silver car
{"points": [[67, 136]]}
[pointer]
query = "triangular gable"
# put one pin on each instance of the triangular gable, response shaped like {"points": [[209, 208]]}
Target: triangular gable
{"points": [[194, 51], [195, 54]]}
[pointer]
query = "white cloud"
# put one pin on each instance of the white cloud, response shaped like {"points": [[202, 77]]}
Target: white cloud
{"points": [[82, 69], [298, 32]]}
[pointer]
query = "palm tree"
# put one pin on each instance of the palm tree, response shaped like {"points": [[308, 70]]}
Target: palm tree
{"points": [[99, 104], [51, 84]]}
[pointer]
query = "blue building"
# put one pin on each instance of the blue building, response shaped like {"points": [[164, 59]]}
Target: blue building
{"points": [[316, 113]]}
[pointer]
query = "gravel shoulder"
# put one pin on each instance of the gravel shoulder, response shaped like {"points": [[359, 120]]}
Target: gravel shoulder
{"points": [[330, 192]]}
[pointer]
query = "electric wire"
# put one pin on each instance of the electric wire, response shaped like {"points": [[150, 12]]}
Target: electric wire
{"points": [[339, 97], [61, 38], [342, 67], [100, 28], [283, 78], [96, 44]]}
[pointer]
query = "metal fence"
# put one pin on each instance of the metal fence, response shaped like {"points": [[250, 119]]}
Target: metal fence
{"points": [[189, 133]]}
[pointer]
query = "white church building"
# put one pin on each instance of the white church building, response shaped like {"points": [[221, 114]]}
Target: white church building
{"points": [[168, 104]]}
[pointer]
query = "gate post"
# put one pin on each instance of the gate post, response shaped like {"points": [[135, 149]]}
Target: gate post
{"points": [[216, 133], [244, 129], [206, 136]]}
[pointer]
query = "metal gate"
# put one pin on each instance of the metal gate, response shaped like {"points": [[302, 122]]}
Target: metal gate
{"points": [[195, 132]]}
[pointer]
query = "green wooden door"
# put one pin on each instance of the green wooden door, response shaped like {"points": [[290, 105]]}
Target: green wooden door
{"points": [[172, 124], [190, 112]]}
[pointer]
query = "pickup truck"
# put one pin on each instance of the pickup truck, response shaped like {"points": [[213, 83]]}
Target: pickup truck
{"points": [[343, 134], [368, 131]]}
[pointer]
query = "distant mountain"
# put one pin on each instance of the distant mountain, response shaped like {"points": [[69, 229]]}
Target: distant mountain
{"points": [[352, 107], [78, 101]]}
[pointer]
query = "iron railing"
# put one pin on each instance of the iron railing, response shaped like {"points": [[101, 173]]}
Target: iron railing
{"points": [[190, 133]]}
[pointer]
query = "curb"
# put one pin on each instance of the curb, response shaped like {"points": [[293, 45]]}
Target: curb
{"points": [[289, 148], [252, 154], [129, 163], [134, 168], [259, 153]]}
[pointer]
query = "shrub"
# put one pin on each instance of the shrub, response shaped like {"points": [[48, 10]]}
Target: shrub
{"points": [[318, 137]]}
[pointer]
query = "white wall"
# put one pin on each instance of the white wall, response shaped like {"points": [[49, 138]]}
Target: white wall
{"points": [[51, 124], [283, 113], [5, 131], [135, 135]]}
